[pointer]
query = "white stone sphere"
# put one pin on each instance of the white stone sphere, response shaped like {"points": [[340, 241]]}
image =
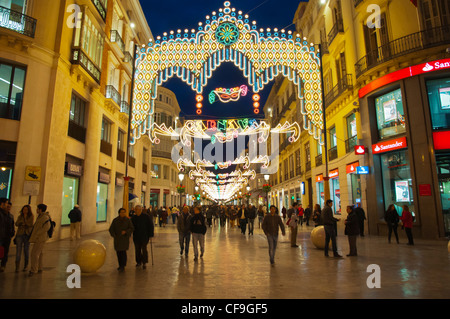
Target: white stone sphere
{"points": [[90, 255], [318, 237]]}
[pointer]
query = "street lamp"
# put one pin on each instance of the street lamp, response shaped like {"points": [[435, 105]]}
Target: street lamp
{"points": [[248, 194], [181, 177], [266, 177]]}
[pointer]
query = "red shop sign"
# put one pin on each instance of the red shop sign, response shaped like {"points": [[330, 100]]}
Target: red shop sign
{"points": [[390, 145], [334, 173], [424, 190], [441, 140], [351, 168], [319, 178]]}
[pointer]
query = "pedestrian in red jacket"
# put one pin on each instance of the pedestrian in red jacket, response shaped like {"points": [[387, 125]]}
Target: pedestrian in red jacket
{"points": [[407, 221]]}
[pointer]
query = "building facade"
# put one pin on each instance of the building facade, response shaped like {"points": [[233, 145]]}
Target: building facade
{"points": [[66, 69], [385, 76]]}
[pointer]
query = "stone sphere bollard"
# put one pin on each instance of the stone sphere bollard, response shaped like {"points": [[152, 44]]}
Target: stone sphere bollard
{"points": [[90, 255], [318, 237]]}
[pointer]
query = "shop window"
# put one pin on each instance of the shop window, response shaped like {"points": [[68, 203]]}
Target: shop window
{"points": [[70, 197], [439, 101], [12, 81], [390, 115], [397, 182], [102, 197]]}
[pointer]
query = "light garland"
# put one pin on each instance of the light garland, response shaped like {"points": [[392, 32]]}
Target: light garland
{"points": [[227, 95], [227, 36]]}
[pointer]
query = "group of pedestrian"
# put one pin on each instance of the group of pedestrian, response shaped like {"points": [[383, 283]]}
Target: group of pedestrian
{"points": [[140, 225], [29, 231], [192, 225]]}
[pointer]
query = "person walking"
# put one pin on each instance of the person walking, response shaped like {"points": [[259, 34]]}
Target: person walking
{"points": [[143, 232], [7, 230], [392, 219], [184, 230], [301, 212], [352, 230], [251, 218], [24, 225], [39, 236], [307, 214], [271, 224], [407, 222], [121, 229], [198, 229], [260, 216], [75, 223], [293, 223], [361, 218], [243, 215], [316, 215], [329, 224]]}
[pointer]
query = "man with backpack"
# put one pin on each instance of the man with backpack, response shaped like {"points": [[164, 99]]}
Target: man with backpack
{"points": [[39, 236]]}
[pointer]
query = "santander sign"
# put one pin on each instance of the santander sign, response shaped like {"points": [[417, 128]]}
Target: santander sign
{"points": [[390, 145]]}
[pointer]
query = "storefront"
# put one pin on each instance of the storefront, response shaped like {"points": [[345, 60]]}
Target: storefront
{"points": [[407, 119], [353, 182], [154, 197], [102, 196], [71, 186], [319, 190]]}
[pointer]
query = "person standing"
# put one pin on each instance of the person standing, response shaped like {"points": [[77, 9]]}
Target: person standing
{"points": [[184, 230], [75, 223], [307, 214], [316, 215], [329, 224], [271, 223], [392, 219], [243, 215], [7, 230], [198, 229], [39, 237], [143, 231], [24, 225], [251, 218], [260, 216], [352, 230], [361, 218], [121, 229], [407, 222], [301, 212], [293, 224]]}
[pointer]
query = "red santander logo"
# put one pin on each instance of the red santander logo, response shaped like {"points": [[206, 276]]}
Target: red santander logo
{"points": [[390, 145]]}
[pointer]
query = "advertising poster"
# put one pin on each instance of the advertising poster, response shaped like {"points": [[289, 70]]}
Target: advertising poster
{"points": [[390, 110], [444, 94], [402, 191]]}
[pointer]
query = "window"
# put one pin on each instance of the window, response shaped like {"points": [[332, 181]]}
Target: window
{"points": [[291, 165], [439, 101], [121, 140], [12, 81], [333, 139], [297, 163], [77, 117], [390, 115], [351, 125], [397, 182], [106, 130]]}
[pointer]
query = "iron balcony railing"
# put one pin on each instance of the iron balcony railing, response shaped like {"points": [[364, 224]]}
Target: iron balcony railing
{"points": [[79, 57], [18, 22], [408, 44], [125, 107], [113, 94], [337, 27], [115, 38], [332, 153], [318, 160], [346, 83], [100, 5], [350, 144], [128, 57]]}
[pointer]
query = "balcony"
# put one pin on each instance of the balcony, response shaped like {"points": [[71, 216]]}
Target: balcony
{"points": [[319, 160], [115, 38], [80, 58], [77, 132], [124, 107], [105, 147], [17, 22], [332, 153], [113, 94], [120, 156], [128, 57], [308, 166], [100, 5], [346, 83], [337, 27], [285, 108], [350, 144], [408, 44]]}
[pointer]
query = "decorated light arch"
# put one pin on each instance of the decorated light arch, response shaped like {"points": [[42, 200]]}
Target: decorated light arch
{"points": [[227, 36]]}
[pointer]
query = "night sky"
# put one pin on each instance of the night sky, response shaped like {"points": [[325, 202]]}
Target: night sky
{"points": [[166, 15]]}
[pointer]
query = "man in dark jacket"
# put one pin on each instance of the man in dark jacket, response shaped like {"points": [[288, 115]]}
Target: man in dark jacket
{"points": [[75, 222], [198, 230], [121, 229], [184, 230], [143, 231], [251, 218], [329, 222], [243, 215], [7, 230], [361, 218]]}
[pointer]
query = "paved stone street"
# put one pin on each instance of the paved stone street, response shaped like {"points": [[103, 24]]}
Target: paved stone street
{"points": [[237, 267]]}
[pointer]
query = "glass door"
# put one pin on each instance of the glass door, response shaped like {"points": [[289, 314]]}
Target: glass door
{"points": [[102, 197], [443, 166], [69, 198]]}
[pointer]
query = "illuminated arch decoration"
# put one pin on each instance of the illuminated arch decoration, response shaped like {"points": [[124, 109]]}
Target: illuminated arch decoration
{"points": [[227, 36]]}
